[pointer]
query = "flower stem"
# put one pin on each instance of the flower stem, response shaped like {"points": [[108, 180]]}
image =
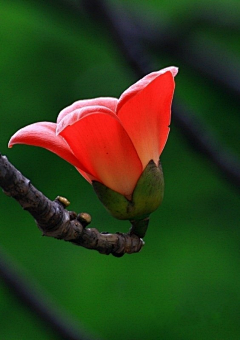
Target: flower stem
{"points": [[139, 227]]}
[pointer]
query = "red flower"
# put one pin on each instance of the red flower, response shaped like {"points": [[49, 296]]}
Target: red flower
{"points": [[111, 140]]}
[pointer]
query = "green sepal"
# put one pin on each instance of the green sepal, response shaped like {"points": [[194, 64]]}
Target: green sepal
{"points": [[146, 197], [148, 193]]}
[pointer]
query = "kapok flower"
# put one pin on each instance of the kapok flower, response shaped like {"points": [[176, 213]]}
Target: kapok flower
{"points": [[115, 143]]}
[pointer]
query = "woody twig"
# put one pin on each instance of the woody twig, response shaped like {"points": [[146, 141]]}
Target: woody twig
{"points": [[54, 220]]}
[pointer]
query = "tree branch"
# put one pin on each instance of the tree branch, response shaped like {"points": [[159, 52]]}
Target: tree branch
{"points": [[55, 221]]}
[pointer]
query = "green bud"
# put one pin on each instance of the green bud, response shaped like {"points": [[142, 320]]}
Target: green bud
{"points": [[146, 197]]}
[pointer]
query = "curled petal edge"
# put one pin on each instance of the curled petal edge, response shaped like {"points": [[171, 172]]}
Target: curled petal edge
{"points": [[107, 102], [142, 83], [43, 134]]}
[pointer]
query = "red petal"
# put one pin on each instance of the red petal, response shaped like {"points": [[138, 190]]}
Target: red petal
{"points": [[142, 83], [99, 141], [145, 113], [109, 102], [43, 134]]}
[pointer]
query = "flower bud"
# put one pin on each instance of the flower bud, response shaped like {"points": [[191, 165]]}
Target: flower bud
{"points": [[146, 197]]}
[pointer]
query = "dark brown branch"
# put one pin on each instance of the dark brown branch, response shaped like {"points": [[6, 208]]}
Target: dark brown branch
{"points": [[55, 221]]}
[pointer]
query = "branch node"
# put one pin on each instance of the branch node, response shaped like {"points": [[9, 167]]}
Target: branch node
{"points": [[85, 219], [64, 201]]}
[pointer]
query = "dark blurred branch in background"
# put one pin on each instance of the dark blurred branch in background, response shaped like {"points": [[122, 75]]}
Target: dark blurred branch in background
{"points": [[135, 33], [204, 56], [130, 43], [124, 32], [222, 158], [61, 324]]}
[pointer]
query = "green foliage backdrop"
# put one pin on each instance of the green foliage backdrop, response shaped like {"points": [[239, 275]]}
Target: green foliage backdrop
{"points": [[185, 282]]}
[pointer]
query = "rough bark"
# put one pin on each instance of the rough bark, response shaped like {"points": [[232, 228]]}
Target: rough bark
{"points": [[54, 220]]}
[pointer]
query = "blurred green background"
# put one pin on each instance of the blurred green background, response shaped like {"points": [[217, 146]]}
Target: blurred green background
{"points": [[185, 284]]}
